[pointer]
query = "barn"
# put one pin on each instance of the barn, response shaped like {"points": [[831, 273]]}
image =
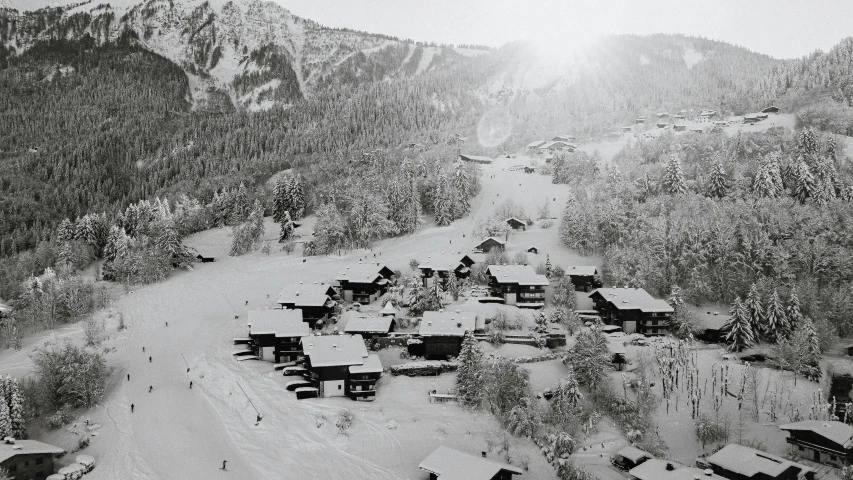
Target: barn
{"points": [[475, 159]]}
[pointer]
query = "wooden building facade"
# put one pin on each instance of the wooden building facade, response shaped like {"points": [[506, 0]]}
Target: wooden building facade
{"points": [[339, 365], [28, 459], [442, 332], [518, 285], [585, 278], [365, 282], [821, 441], [280, 330], [633, 309], [316, 300], [445, 264]]}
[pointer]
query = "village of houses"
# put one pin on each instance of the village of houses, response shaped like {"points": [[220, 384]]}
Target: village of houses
{"points": [[310, 337]]}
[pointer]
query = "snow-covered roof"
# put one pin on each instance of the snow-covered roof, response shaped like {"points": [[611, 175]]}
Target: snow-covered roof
{"points": [[837, 432], [334, 350], [26, 447], [633, 299], [362, 273], [278, 322], [445, 261], [633, 454], [475, 158], [493, 239], [447, 324], [306, 294], [513, 220], [371, 364], [707, 113], [586, 270], [520, 274], [357, 322], [656, 469], [535, 144], [451, 464], [563, 138], [388, 309], [750, 462]]}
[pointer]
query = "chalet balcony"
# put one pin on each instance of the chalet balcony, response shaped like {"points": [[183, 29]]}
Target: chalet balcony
{"points": [[820, 448], [361, 381]]}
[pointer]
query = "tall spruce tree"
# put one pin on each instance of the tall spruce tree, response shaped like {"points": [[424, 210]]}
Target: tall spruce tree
{"points": [[775, 319], [469, 373], [718, 181], [804, 182], [281, 199], [5, 420], [755, 311], [793, 313], [297, 198], [286, 229], [18, 424], [673, 177], [739, 331]]}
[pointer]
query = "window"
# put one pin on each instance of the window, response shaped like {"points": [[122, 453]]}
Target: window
{"points": [[800, 448], [340, 386], [832, 458], [39, 460]]}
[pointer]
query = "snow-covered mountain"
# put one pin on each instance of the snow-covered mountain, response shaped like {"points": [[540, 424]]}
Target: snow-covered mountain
{"points": [[256, 52]]}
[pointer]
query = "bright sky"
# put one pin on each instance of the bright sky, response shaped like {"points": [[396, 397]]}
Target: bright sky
{"points": [[781, 28]]}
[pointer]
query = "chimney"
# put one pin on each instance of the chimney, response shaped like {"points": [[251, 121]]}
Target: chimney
{"points": [[669, 467]]}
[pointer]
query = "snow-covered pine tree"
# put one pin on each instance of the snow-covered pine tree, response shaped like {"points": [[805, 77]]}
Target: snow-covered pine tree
{"points": [[469, 373], [5, 420], [65, 231], [807, 142], [764, 184], [718, 181], [170, 242], [793, 312], [804, 182], [614, 175], [830, 148], [462, 186], [755, 311], [286, 229], [443, 202], [241, 208], [116, 246], [297, 198], [673, 177], [825, 179], [256, 222], [16, 410], [813, 338], [566, 401], [739, 332], [281, 199], [775, 319]]}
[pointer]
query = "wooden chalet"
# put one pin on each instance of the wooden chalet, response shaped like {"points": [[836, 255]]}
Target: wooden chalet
{"points": [[516, 224], [488, 244], [678, 116], [706, 114], [533, 250], [679, 127], [367, 325], [280, 330], [584, 277], [564, 138], [737, 462], [640, 120], [627, 129], [535, 145], [557, 146], [201, 258], [656, 469], [28, 459], [338, 366], [443, 264], [518, 285], [751, 118], [445, 463], [365, 282], [443, 332], [821, 441], [633, 309], [316, 300], [475, 159], [771, 109], [697, 129], [662, 115], [711, 325]]}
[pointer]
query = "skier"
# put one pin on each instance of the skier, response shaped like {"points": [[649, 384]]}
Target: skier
{"points": [[128, 377], [247, 302], [143, 349], [191, 384], [167, 324], [149, 359], [150, 387], [131, 408], [223, 464]]}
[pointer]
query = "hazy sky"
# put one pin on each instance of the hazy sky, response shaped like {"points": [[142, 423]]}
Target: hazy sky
{"points": [[781, 28]]}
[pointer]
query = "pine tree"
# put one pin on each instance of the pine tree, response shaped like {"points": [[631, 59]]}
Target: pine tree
{"points": [[673, 177], [443, 201], [775, 319], [614, 176], [739, 332], [825, 179], [170, 242], [16, 411], [764, 184], [5, 420], [807, 143], [813, 338], [804, 182], [462, 186], [240, 208], [65, 231], [718, 182], [117, 244], [297, 198], [754, 311], [793, 313], [281, 199], [469, 373], [286, 230], [566, 401]]}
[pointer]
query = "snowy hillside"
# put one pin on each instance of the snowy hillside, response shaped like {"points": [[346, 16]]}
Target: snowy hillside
{"points": [[258, 53]]}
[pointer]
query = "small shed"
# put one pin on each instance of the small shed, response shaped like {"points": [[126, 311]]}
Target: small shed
{"points": [[488, 244], [516, 224], [679, 128], [849, 349], [627, 128], [771, 109], [533, 250], [662, 124], [475, 159], [201, 258], [640, 120], [388, 310]]}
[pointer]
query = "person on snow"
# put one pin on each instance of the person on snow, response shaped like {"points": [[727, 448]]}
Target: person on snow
{"points": [[191, 384], [128, 377], [149, 359], [223, 464], [150, 387], [131, 408]]}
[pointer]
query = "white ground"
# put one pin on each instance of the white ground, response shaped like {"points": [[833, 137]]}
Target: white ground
{"points": [[180, 433]]}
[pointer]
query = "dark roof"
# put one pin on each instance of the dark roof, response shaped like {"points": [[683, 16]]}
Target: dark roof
{"points": [[492, 239], [514, 221], [451, 464]]}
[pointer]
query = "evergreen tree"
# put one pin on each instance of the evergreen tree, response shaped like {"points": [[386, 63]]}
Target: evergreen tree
{"points": [[673, 177], [566, 401], [614, 176], [825, 180], [16, 410], [170, 242], [564, 294], [755, 311], [329, 231], [5, 420], [281, 199], [443, 201], [814, 349], [718, 182], [286, 230], [462, 186], [739, 331], [469, 373], [775, 320], [589, 357], [297, 198], [65, 231], [807, 142], [764, 184], [117, 244], [804, 182], [240, 209], [793, 313]]}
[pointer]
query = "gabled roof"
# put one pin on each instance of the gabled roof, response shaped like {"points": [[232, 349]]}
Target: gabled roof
{"points": [[494, 239], [655, 469], [371, 364], [388, 309], [357, 322], [306, 295], [447, 324], [364, 273], [586, 270], [837, 432], [634, 454], [707, 113], [475, 158], [334, 350], [26, 447], [278, 322], [451, 464], [535, 144], [520, 274], [445, 261], [565, 137], [633, 299], [514, 221], [749, 462]]}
